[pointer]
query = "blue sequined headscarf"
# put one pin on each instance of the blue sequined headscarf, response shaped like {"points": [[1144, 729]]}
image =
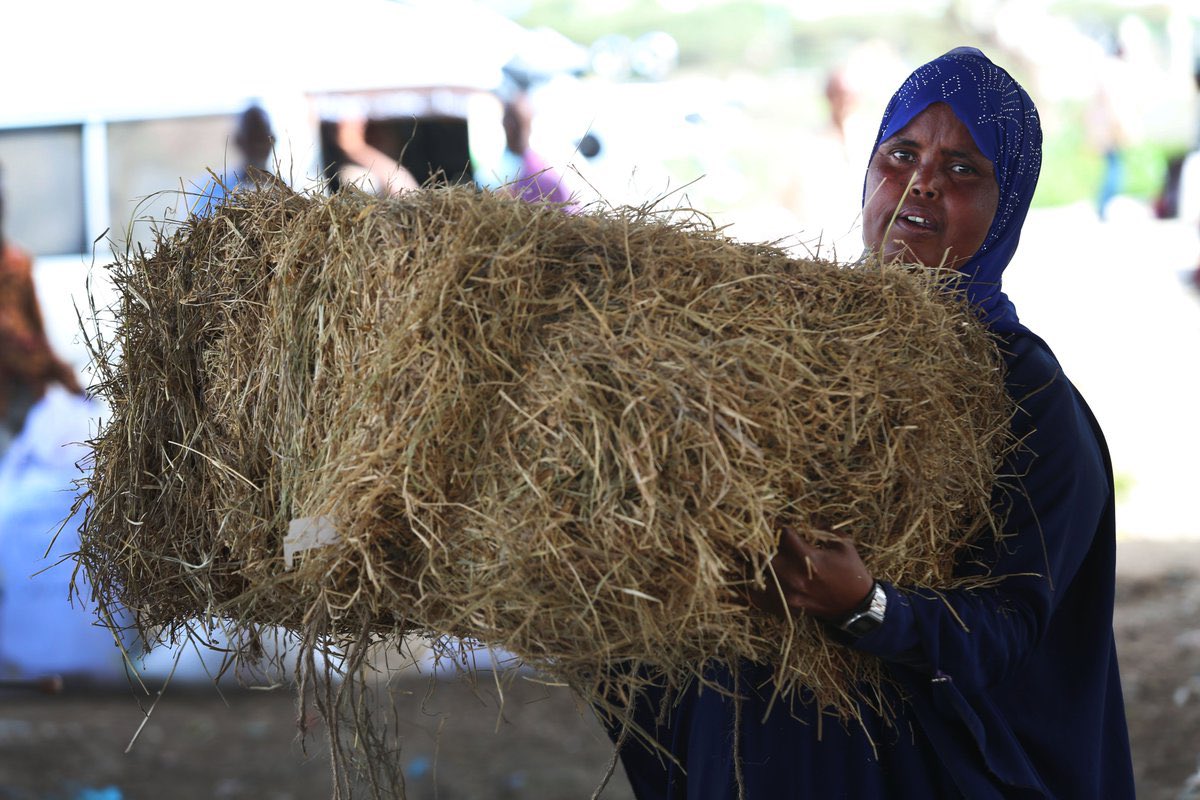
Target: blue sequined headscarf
{"points": [[1004, 124]]}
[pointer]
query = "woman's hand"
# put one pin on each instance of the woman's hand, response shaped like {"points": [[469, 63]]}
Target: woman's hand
{"points": [[826, 579]]}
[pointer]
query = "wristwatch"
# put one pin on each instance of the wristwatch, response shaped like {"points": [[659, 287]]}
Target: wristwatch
{"points": [[868, 616]]}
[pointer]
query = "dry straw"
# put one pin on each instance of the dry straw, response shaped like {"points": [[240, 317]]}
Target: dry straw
{"points": [[574, 437]]}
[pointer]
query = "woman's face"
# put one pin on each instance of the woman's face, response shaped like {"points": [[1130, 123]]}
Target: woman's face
{"points": [[941, 190]]}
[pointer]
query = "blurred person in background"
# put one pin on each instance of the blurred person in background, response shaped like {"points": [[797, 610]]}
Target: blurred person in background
{"points": [[823, 194], [1190, 184], [522, 172], [28, 365], [44, 419], [370, 168], [1110, 120], [1006, 690], [1180, 197], [255, 142]]}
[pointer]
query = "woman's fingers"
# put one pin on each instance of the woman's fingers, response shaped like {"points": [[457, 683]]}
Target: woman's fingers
{"points": [[825, 577], [791, 544]]}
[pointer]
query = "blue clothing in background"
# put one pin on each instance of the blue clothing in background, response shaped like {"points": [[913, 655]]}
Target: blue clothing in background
{"points": [[214, 191], [43, 629]]}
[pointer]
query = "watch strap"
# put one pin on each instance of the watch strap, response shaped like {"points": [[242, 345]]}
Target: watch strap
{"points": [[868, 615]]}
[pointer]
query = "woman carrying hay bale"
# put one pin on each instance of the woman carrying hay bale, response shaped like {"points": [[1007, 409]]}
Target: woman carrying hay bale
{"points": [[1009, 690]]}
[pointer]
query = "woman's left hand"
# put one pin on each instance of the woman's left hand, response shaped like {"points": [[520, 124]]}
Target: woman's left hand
{"points": [[826, 579]]}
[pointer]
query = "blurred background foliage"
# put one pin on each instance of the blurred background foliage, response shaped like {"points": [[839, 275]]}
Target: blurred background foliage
{"points": [[788, 48]]}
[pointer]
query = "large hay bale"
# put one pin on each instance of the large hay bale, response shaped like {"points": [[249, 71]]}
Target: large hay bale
{"points": [[663, 438], [574, 437]]}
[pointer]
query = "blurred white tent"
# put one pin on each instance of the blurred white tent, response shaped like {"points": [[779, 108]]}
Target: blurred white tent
{"points": [[72, 59], [87, 73]]}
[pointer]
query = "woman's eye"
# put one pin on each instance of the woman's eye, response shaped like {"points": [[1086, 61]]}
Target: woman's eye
{"points": [[964, 169], [903, 155]]}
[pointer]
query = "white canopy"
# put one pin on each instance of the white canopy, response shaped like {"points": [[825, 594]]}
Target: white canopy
{"points": [[78, 59]]}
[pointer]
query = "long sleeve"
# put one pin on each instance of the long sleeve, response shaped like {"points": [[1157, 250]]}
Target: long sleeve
{"points": [[1006, 692], [1053, 493], [1017, 685]]}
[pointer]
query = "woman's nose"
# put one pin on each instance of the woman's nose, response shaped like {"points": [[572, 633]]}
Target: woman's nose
{"points": [[925, 184]]}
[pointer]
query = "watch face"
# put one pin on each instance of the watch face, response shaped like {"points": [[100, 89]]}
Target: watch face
{"points": [[861, 625]]}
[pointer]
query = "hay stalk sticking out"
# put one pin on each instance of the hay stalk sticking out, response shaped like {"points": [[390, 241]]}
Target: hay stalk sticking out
{"points": [[572, 437]]}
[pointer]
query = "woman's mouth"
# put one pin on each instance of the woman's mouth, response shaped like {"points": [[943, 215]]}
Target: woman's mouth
{"points": [[918, 222]]}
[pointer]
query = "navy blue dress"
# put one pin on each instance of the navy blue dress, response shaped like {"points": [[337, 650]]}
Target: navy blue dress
{"points": [[1020, 699]]}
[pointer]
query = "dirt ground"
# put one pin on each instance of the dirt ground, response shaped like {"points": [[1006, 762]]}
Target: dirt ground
{"points": [[1157, 622], [457, 746]]}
